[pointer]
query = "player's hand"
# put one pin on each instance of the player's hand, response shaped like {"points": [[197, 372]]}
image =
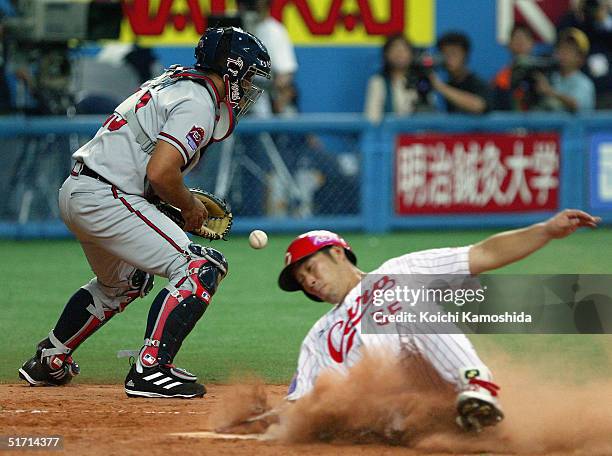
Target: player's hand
{"points": [[195, 215], [566, 222]]}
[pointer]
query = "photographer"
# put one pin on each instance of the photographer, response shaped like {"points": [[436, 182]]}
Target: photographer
{"points": [[568, 89], [464, 92], [511, 89], [396, 88], [43, 72], [41, 38]]}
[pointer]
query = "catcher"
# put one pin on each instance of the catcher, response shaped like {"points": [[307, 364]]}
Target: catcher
{"points": [[126, 202], [323, 266]]}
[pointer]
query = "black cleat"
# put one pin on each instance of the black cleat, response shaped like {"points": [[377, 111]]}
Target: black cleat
{"points": [[160, 381], [38, 373]]}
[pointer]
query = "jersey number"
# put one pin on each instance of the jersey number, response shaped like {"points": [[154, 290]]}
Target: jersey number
{"points": [[115, 121]]}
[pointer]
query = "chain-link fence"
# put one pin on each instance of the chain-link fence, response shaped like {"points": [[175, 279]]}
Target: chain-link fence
{"points": [[280, 175], [284, 175], [32, 169]]}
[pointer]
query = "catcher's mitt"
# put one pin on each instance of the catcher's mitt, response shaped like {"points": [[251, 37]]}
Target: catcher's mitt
{"points": [[220, 217]]}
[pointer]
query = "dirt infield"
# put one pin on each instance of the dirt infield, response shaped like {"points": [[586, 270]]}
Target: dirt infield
{"points": [[382, 406], [101, 420]]}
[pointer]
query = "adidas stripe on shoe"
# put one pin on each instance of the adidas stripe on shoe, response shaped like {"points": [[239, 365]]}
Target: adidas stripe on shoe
{"points": [[162, 382]]}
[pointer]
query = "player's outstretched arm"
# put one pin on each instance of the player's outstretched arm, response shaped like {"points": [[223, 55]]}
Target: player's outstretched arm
{"points": [[510, 246]]}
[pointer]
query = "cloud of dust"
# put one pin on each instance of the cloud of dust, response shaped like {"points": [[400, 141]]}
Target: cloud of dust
{"points": [[378, 400], [408, 404], [248, 399]]}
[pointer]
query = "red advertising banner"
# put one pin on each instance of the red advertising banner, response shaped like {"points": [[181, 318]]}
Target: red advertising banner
{"points": [[480, 172]]}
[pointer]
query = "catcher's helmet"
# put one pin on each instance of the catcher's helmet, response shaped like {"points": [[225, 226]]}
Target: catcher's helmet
{"points": [[237, 56], [301, 248]]}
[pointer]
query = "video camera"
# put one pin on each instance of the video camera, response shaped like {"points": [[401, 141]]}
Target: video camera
{"points": [[37, 40], [419, 71], [63, 20], [524, 69]]}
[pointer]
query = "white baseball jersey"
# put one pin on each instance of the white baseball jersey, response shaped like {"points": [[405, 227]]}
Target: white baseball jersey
{"points": [[335, 341], [182, 114]]}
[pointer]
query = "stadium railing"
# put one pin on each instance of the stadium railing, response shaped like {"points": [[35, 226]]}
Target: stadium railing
{"points": [[332, 171]]}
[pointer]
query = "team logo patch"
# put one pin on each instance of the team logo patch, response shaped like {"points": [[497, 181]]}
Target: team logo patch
{"points": [[323, 238], [472, 373], [148, 359], [195, 137]]}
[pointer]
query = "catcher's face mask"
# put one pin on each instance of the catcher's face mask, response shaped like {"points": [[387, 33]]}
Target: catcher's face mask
{"points": [[301, 248], [237, 102], [250, 91], [238, 57]]}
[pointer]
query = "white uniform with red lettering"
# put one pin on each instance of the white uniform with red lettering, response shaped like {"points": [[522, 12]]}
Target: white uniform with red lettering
{"points": [[117, 227], [335, 341]]}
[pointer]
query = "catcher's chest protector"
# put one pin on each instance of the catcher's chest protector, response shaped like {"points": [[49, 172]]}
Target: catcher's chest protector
{"points": [[225, 122]]}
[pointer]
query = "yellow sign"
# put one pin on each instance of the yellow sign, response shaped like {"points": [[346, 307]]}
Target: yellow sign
{"points": [[356, 22], [309, 22]]}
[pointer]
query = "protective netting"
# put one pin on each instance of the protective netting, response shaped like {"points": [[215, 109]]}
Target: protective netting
{"points": [[32, 169], [286, 175]]}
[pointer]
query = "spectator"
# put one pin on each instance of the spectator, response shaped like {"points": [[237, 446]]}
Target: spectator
{"points": [[464, 92], [508, 96], [394, 89], [42, 73], [594, 18], [569, 89], [274, 35], [5, 92], [285, 101], [6, 96]]}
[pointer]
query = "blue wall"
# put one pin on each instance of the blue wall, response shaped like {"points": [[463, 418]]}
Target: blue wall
{"points": [[333, 79], [376, 150]]}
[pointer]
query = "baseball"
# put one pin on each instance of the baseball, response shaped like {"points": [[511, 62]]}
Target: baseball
{"points": [[258, 239]]}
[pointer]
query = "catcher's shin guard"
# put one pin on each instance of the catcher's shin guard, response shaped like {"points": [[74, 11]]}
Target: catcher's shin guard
{"points": [[477, 403], [84, 315], [175, 312]]}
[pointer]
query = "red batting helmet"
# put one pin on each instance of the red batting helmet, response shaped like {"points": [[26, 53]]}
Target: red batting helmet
{"points": [[302, 247]]}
